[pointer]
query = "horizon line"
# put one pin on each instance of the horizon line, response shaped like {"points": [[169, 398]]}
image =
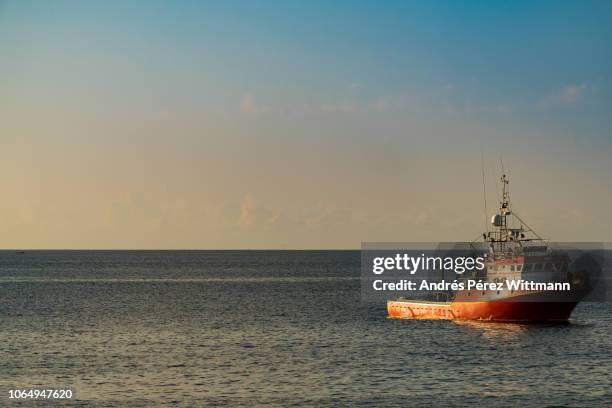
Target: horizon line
{"points": [[176, 249]]}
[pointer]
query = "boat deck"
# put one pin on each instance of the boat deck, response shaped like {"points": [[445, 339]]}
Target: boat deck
{"points": [[422, 301]]}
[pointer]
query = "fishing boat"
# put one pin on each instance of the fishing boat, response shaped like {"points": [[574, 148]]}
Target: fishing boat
{"points": [[514, 253]]}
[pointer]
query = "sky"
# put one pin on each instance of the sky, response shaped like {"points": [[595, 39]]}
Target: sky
{"points": [[300, 124]]}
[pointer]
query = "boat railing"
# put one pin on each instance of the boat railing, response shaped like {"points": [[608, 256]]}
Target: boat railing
{"points": [[441, 296]]}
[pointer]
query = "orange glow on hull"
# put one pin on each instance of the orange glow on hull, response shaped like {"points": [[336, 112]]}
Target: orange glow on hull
{"points": [[487, 310]]}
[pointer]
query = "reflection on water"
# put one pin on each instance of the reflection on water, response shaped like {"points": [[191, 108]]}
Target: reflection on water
{"points": [[496, 331], [514, 330], [280, 328]]}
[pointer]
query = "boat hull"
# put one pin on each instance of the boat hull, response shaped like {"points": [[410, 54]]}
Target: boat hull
{"points": [[504, 311]]}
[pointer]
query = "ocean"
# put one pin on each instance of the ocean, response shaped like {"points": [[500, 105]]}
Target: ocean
{"points": [[276, 328]]}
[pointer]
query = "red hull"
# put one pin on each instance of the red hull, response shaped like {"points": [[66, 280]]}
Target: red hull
{"points": [[486, 310]]}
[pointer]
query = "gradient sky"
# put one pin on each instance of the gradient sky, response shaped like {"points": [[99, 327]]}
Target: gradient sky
{"points": [[300, 124]]}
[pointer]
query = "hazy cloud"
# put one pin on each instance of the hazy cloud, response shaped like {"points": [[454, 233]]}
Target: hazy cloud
{"points": [[246, 211], [379, 104], [247, 103], [251, 105], [568, 94], [339, 108], [252, 215]]}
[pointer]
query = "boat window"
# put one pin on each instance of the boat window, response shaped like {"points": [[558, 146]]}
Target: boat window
{"points": [[537, 267], [519, 267], [511, 267], [558, 267], [549, 267], [528, 267]]}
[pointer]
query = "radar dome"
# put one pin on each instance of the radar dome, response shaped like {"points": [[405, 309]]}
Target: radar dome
{"points": [[496, 220]]}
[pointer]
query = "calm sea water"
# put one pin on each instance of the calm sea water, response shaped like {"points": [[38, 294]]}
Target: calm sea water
{"points": [[199, 328]]}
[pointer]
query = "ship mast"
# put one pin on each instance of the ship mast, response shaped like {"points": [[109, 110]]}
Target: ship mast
{"points": [[504, 240]]}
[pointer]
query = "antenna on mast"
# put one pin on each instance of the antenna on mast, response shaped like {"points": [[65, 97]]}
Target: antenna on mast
{"points": [[504, 180], [484, 192]]}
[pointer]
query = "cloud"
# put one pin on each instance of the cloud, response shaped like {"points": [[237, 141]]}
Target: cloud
{"points": [[246, 211], [247, 103], [571, 93], [568, 94], [380, 104], [250, 105], [253, 215], [339, 108]]}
